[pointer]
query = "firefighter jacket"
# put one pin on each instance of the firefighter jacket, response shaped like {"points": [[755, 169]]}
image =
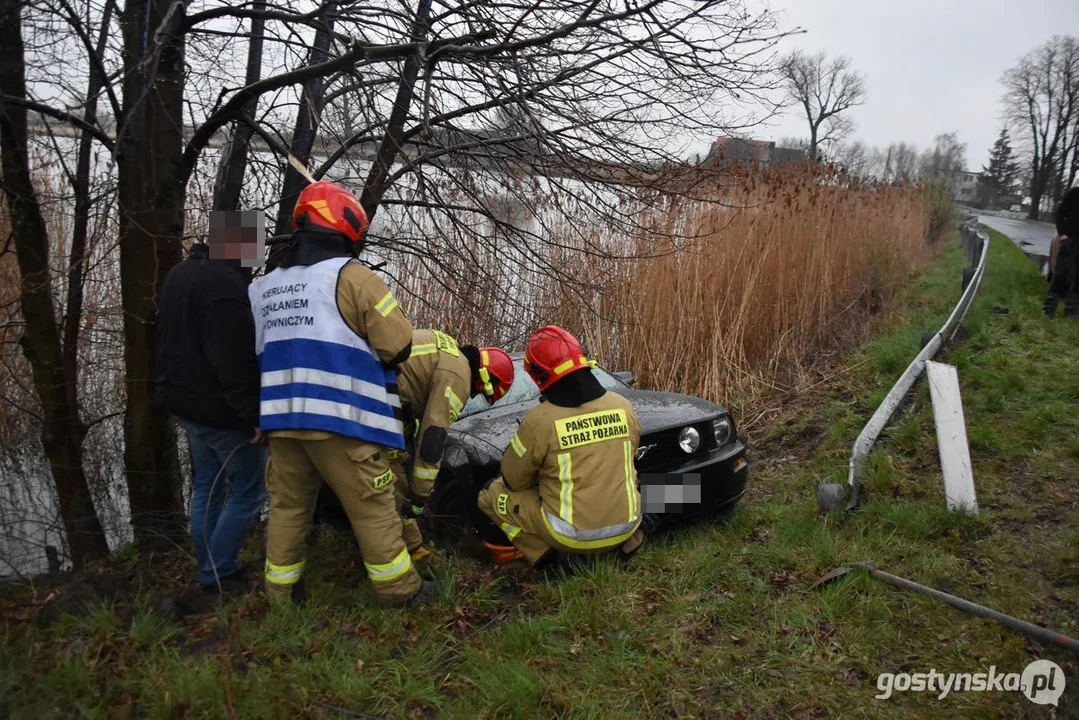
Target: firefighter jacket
{"points": [[581, 458], [322, 334], [434, 384]]}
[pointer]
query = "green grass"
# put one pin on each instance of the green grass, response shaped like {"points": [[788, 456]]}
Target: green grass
{"points": [[709, 621]]}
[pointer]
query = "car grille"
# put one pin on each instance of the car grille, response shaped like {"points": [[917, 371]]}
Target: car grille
{"points": [[663, 450]]}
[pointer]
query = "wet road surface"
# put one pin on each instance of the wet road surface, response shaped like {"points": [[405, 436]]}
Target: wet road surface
{"points": [[1032, 237]]}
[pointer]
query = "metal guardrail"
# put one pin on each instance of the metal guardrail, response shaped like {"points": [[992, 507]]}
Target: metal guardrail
{"points": [[832, 495]]}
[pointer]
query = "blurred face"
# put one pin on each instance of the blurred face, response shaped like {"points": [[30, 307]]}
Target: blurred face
{"points": [[238, 237]]}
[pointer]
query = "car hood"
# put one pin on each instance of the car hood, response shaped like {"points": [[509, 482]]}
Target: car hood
{"points": [[663, 410], [489, 432]]}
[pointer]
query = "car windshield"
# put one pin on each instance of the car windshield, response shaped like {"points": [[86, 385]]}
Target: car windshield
{"points": [[524, 389]]}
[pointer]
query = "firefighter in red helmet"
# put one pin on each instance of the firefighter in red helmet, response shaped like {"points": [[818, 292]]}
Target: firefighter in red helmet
{"points": [[435, 383], [329, 334], [568, 480]]}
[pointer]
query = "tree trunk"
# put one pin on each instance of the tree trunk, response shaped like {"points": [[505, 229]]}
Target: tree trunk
{"points": [[1060, 173], [307, 120], [230, 175], [150, 194], [1037, 185], [375, 186], [62, 430], [81, 230], [814, 130]]}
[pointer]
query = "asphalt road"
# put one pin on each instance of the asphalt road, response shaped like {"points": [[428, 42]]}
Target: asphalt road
{"points": [[1032, 237]]}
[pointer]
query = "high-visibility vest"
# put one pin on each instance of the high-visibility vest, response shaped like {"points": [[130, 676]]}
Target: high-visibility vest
{"points": [[317, 374]]}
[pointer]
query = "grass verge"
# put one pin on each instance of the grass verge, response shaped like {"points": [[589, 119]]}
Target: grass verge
{"points": [[714, 620]]}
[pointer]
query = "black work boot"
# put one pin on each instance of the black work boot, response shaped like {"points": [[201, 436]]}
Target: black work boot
{"points": [[299, 592], [566, 565], [576, 562], [629, 548], [428, 592], [546, 564], [236, 584]]}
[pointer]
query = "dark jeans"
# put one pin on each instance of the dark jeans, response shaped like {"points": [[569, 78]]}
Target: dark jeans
{"points": [[219, 524], [1064, 280], [1062, 286]]}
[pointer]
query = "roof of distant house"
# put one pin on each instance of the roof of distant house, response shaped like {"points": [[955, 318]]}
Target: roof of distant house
{"points": [[722, 141]]}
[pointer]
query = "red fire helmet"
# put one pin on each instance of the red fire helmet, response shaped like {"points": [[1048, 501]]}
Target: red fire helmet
{"points": [[330, 206], [551, 354], [496, 373]]}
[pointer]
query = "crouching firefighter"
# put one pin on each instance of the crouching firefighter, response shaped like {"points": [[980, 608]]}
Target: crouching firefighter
{"points": [[435, 382], [568, 482], [328, 335]]}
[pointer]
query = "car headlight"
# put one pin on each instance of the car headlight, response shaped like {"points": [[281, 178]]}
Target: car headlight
{"points": [[723, 430], [689, 440]]}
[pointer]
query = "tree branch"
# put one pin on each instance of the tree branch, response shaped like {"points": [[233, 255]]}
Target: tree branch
{"points": [[356, 54], [60, 115]]}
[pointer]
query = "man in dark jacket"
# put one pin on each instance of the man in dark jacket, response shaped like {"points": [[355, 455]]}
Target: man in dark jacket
{"points": [[206, 374], [1064, 259]]}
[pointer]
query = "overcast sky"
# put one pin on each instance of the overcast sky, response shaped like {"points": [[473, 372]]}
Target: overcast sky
{"points": [[931, 66]]}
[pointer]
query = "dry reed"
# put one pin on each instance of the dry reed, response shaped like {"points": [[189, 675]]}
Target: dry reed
{"points": [[738, 282]]}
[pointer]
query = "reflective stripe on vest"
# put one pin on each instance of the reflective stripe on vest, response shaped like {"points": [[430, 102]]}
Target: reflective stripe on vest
{"points": [[631, 477], [565, 497], [317, 374], [561, 525], [602, 537]]}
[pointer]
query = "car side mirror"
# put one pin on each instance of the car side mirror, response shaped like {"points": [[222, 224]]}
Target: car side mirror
{"points": [[626, 376]]}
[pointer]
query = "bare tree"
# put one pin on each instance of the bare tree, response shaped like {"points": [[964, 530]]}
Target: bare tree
{"points": [[900, 163], [52, 347], [1066, 168], [1041, 100], [856, 158], [946, 158], [824, 89], [308, 117], [233, 165]]}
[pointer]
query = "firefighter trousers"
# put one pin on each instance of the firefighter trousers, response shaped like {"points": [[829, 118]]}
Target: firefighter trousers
{"points": [[400, 465], [360, 475], [519, 513]]}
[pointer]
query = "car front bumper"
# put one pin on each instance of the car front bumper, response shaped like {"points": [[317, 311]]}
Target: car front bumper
{"points": [[697, 485]]}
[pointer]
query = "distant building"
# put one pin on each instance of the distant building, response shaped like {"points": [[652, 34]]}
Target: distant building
{"points": [[736, 150], [965, 187]]}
